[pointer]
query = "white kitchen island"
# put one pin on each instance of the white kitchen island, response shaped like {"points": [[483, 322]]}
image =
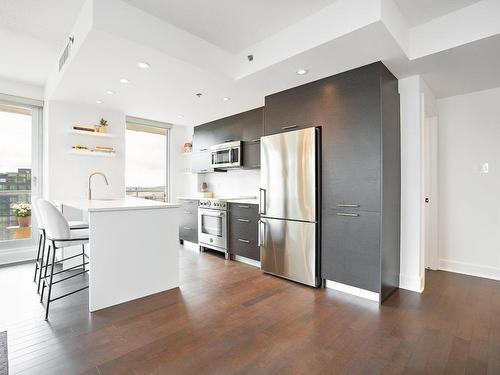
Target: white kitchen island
{"points": [[133, 250]]}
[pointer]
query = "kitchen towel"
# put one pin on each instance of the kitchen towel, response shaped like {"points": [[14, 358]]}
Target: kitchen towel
{"points": [[4, 362]]}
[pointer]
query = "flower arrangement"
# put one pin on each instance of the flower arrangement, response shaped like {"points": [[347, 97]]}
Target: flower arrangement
{"points": [[22, 209]]}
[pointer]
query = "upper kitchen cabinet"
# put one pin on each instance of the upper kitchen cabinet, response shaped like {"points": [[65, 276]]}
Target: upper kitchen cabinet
{"points": [[245, 127]]}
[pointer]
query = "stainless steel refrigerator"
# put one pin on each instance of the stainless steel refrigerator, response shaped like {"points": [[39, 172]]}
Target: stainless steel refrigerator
{"points": [[289, 204]]}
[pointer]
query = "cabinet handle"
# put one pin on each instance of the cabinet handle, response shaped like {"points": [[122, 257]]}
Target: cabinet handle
{"points": [[244, 220], [348, 205], [256, 140], [244, 241], [203, 170], [227, 140], [203, 149], [187, 212], [243, 206], [346, 214], [187, 228], [288, 127]]}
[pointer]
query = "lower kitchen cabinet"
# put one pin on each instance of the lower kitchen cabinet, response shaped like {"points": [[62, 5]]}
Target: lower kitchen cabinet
{"points": [[351, 248], [188, 225], [243, 230]]}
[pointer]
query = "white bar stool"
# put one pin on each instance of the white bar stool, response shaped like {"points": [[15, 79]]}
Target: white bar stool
{"points": [[39, 264], [59, 235]]}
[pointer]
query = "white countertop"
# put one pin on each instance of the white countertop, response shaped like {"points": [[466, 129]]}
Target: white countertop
{"points": [[235, 199], [244, 201], [121, 204]]}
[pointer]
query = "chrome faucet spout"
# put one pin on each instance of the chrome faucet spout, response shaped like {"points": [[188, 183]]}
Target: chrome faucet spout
{"points": [[90, 180]]}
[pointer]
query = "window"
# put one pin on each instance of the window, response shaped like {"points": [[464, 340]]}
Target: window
{"points": [[146, 161], [19, 146]]}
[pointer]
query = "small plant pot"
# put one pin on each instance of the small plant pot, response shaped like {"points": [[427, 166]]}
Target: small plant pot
{"points": [[101, 129], [24, 221]]}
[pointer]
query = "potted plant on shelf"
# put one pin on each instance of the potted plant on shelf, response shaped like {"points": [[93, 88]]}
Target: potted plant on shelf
{"points": [[103, 124], [23, 214]]}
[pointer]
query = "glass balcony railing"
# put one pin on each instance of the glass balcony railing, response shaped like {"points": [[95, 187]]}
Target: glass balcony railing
{"points": [[155, 194], [9, 228]]}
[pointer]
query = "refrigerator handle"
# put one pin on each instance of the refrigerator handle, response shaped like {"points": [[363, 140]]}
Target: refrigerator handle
{"points": [[260, 237], [262, 203]]}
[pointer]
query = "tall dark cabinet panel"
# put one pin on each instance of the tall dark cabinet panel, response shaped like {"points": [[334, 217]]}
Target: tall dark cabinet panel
{"points": [[245, 127], [358, 112]]}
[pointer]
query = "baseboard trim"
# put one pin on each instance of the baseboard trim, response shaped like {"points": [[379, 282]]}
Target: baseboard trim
{"points": [[248, 261], [363, 293], [412, 283], [17, 255], [471, 269]]}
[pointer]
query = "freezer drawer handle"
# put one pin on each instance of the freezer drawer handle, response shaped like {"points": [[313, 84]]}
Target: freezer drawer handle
{"points": [[346, 214], [243, 220], [244, 241], [288, 127], [187, 228], [260, 239], [262, 202], [348, 205]]}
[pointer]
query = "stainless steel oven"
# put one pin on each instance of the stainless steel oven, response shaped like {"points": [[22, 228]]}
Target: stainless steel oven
{"points": [[212, 224], [226, 155]]}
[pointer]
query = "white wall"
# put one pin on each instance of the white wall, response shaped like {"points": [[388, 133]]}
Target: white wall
{"points": [[24, 90], [469, 210], [181, 183], [65, 175]]}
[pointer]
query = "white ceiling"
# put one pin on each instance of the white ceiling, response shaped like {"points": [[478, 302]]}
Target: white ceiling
{"points": [[417, 12], [227, 26], [32, 34]]}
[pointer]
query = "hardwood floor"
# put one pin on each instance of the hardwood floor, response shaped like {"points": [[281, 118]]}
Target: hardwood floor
{"points": [[230, 318]]}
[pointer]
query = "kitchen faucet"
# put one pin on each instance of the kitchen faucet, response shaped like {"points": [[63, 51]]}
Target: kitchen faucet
{"points": [[90, 180]]}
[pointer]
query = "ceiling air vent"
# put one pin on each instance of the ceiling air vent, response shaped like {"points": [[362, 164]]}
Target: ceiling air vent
{"points": [[65, 54]]}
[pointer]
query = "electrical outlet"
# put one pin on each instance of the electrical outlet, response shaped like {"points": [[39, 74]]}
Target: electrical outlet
{"points": [[485, 168]]}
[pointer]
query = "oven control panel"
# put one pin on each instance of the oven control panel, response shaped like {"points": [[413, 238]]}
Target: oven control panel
{"points": [[213, 204]]}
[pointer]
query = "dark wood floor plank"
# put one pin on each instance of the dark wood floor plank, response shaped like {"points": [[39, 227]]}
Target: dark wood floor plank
{"points": [[230, 318]]}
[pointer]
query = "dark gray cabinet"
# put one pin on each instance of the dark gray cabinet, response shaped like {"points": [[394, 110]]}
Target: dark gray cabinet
{"points": [[245, 127], [188, 225], [243, 230], [358, 112]]}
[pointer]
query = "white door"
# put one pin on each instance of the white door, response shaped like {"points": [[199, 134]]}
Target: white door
{"points": [[430, 174]]}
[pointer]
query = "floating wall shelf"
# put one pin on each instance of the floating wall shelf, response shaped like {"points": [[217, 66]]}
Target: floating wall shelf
{"points": [[93, 153], [92, 134]]}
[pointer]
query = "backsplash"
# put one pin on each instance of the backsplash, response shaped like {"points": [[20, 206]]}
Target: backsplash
{"points": [[234, 183]]}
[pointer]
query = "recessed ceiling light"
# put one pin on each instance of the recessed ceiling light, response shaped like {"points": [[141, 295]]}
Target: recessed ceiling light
{"points": [[226, 98], [124, 80], [180, 116], [98, 101], [110, 92], [301, 72], [143, 65]]}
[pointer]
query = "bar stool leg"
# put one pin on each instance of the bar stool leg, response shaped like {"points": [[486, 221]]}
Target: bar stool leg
{"points": [[45, 273], [41, 263], [50, 282], [38, 256]]}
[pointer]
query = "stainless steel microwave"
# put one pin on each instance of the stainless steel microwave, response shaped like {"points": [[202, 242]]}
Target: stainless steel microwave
{"points": [[226, 155]]}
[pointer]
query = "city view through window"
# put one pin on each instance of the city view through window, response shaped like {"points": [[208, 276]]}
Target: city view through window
{"points": [[15, 170], [146, 160]]}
